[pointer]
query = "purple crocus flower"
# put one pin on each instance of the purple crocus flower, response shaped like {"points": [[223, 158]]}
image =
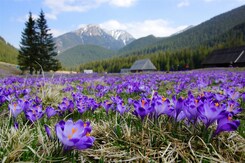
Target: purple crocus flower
{"points": [[190, 107], [74, 135], [2, 99], [83, 104], [107, 105], [142, 108], [25, 104], [34, 113], [225, 123], [210, 112], [220, 96], [177, 105], [15, 109], [50, 111], [121, 108], [66, 105], [232, 94], [82, 107], [119, 103], [48, 131], [233, 107], [162, 106]]}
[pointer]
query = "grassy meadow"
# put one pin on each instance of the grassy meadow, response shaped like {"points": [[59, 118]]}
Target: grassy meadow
{"points": [[189, 116]]}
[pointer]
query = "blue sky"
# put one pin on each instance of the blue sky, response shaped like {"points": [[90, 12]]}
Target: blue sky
{"points": [[139, 17]]}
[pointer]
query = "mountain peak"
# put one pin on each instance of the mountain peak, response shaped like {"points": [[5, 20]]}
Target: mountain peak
{"points": [[121, 35], [90, 30], [93, 34]]}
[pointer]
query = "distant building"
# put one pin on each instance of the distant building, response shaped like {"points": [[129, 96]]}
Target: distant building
{"points": [[125, 70], [87, 71], [226, 57], [142, 65]]}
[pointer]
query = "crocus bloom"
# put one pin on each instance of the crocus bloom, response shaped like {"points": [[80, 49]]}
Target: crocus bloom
{"points": [[15, 109], [220, 96], [121, 108], [142, 108], [190, 107], [177, 105], [66, 104], [107, 105], [50, 112], [34, 113], [210, 112], [2, 99], [48, 131], [225, 123], [161, 106], [74, 135]]}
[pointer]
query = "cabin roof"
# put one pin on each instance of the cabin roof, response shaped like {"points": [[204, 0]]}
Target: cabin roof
{"points": [[228, 55], [144, 64]]}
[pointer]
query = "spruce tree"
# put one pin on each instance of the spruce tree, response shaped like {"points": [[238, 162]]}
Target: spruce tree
{"points": [[46, 46], [28, 46]]}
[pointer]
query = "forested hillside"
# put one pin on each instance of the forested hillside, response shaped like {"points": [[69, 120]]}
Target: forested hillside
{"points": [[192, 38], [140, 43], [175, 59], [8, 53], [83, 53]]}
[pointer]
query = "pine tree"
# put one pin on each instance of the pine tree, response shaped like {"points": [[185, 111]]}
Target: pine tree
{"points": [[46, 46], [28, 46]]}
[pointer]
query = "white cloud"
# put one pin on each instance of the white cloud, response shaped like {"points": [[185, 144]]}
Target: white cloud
{"points": [[50, 16], [157, 27], [57, 32], [58, 6], [122, 3], [183, 3], [113, 24]]}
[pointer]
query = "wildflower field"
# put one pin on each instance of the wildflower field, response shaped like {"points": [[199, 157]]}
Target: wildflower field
{"points": [[190, 116]]}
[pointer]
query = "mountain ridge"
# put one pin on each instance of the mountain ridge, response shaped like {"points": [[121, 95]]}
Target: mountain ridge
{"points": [[93, 35], [194, 36]]}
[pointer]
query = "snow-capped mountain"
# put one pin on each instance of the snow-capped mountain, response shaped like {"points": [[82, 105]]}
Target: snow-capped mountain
{"points": [[121, 35], [93, 35], [90, 30]]}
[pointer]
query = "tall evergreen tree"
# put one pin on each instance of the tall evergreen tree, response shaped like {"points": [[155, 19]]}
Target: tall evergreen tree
{"points": [[46, 46], [28, 46]]}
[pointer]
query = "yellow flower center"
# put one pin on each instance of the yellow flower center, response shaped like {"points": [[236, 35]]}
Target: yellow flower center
{"points": [[196, 101], [216, 104], [73, 131], [143, 103], [164, 99], [15, 105], [229, 118], [87, 134]]}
